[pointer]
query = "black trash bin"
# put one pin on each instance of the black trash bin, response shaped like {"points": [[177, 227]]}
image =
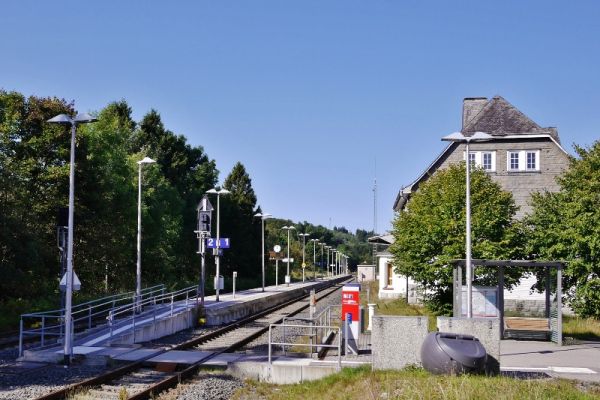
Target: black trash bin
{"points": [[451, 353]]}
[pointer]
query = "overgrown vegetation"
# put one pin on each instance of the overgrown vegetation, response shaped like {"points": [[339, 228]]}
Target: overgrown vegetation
{"points": [[362, 383], [34, 183], [431, 232]]}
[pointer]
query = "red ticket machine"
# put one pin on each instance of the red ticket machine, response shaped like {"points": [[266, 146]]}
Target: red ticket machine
{"points": [[351, 313]]}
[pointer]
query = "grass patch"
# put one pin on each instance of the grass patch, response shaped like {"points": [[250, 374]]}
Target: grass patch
{"points": [[394, 306], [581, 328], [362, 384]]}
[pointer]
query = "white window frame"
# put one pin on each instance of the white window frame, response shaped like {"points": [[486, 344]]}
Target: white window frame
{"points": [[522, 160], [479, 159]]}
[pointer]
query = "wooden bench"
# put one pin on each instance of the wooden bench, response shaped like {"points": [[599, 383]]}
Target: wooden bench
{"points": [[527, 328]]}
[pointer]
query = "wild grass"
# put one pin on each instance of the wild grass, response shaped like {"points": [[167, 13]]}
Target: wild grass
{"points": [[581, 328], [395, 306], [364, 384]]}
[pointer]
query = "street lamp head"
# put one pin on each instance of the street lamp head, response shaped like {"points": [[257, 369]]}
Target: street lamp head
{"points": [[263, 215], [84, 118], [212, 191], [146, 160], [61, 119], [287, 228], [224, 191], [459, 137], [304, 234]]}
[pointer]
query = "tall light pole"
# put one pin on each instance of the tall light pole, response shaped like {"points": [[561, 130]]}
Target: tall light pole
{"points": [[459, 137], [67, 120], [218, 192], [262, 217], [321, 264], [333, 255], [328, 250], [138, 270], [288, 229], [314, 258], [304, 235]]}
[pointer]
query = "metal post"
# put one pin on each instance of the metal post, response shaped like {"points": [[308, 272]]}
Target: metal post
{"points": [[172, 305], [202, 267], [468, 239], [43, 329], [276, 272], [217, 256], [21, 337], [289, 278], [346, 334], [559, 304], [339, 350], [138, 270], [68, 350], [262, 219], [270, 327], [89, 317]]}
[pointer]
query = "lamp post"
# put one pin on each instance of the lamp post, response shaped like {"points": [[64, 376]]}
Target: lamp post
{"points": [[138, 270], [459, 137], [304, 235], [328, 251], [321, 264], [288, 229], [218, 192], [314, 258], [67, 120], [333, 257], [262, 217]]}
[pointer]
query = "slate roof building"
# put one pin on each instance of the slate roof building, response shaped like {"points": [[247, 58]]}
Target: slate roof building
{"points": [[522, 156]]}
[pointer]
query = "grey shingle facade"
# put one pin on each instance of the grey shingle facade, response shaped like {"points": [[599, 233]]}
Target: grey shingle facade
{"points": [[513, 132]]}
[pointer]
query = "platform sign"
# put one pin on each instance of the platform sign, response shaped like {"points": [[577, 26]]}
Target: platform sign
{"points": [[211, 243], [351, 301]]}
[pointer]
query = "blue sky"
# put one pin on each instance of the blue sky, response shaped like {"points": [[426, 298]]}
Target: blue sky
{"points": [[307, 94]]}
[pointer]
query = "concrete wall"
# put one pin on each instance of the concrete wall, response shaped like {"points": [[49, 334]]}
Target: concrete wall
{"points": [[487, 330], [164, 327], [396, 341]]}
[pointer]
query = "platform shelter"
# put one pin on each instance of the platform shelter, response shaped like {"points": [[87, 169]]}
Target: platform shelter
{"points": [[518, 327]]}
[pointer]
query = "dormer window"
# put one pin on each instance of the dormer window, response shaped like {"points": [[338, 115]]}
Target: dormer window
{"points": [[483, 159], [523, 160]]}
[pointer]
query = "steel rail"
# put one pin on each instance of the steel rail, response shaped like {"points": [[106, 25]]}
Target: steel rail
{"points": [[187, 372]]}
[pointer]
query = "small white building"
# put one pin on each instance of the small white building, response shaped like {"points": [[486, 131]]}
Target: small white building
{"points": [[391, 284], [366, 273]]}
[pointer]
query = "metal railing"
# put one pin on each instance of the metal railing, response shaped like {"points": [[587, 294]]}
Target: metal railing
{"points": [[337, 346], [49, 325], [125, 319], [326, 317]]}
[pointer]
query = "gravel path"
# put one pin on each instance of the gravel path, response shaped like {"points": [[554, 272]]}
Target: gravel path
{"points": [[206, 386], [39, 381]]}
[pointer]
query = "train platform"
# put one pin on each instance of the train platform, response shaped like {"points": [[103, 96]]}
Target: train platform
{"points": [[120, 338]]}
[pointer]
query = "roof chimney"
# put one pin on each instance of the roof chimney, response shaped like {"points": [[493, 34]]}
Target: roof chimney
{"points": [[471, 107]]}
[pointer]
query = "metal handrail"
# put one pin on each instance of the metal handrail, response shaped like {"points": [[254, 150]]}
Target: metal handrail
{"points": [[310, 345], [51, 322], [131, 312]]}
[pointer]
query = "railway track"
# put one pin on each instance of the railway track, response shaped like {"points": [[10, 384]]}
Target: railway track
{"points": [[137, 381]]}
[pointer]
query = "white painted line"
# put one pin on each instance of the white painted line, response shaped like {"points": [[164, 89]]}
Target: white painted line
{"points": [[560, 370], [572, 370]]}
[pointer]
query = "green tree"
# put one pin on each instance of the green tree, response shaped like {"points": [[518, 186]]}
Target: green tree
{"points": [[239, 224], [566, 226], [431, 232]]}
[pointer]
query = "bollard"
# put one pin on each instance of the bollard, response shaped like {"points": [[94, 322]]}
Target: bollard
{"points": [[371, 313], [234, 278], [43, 328]]}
